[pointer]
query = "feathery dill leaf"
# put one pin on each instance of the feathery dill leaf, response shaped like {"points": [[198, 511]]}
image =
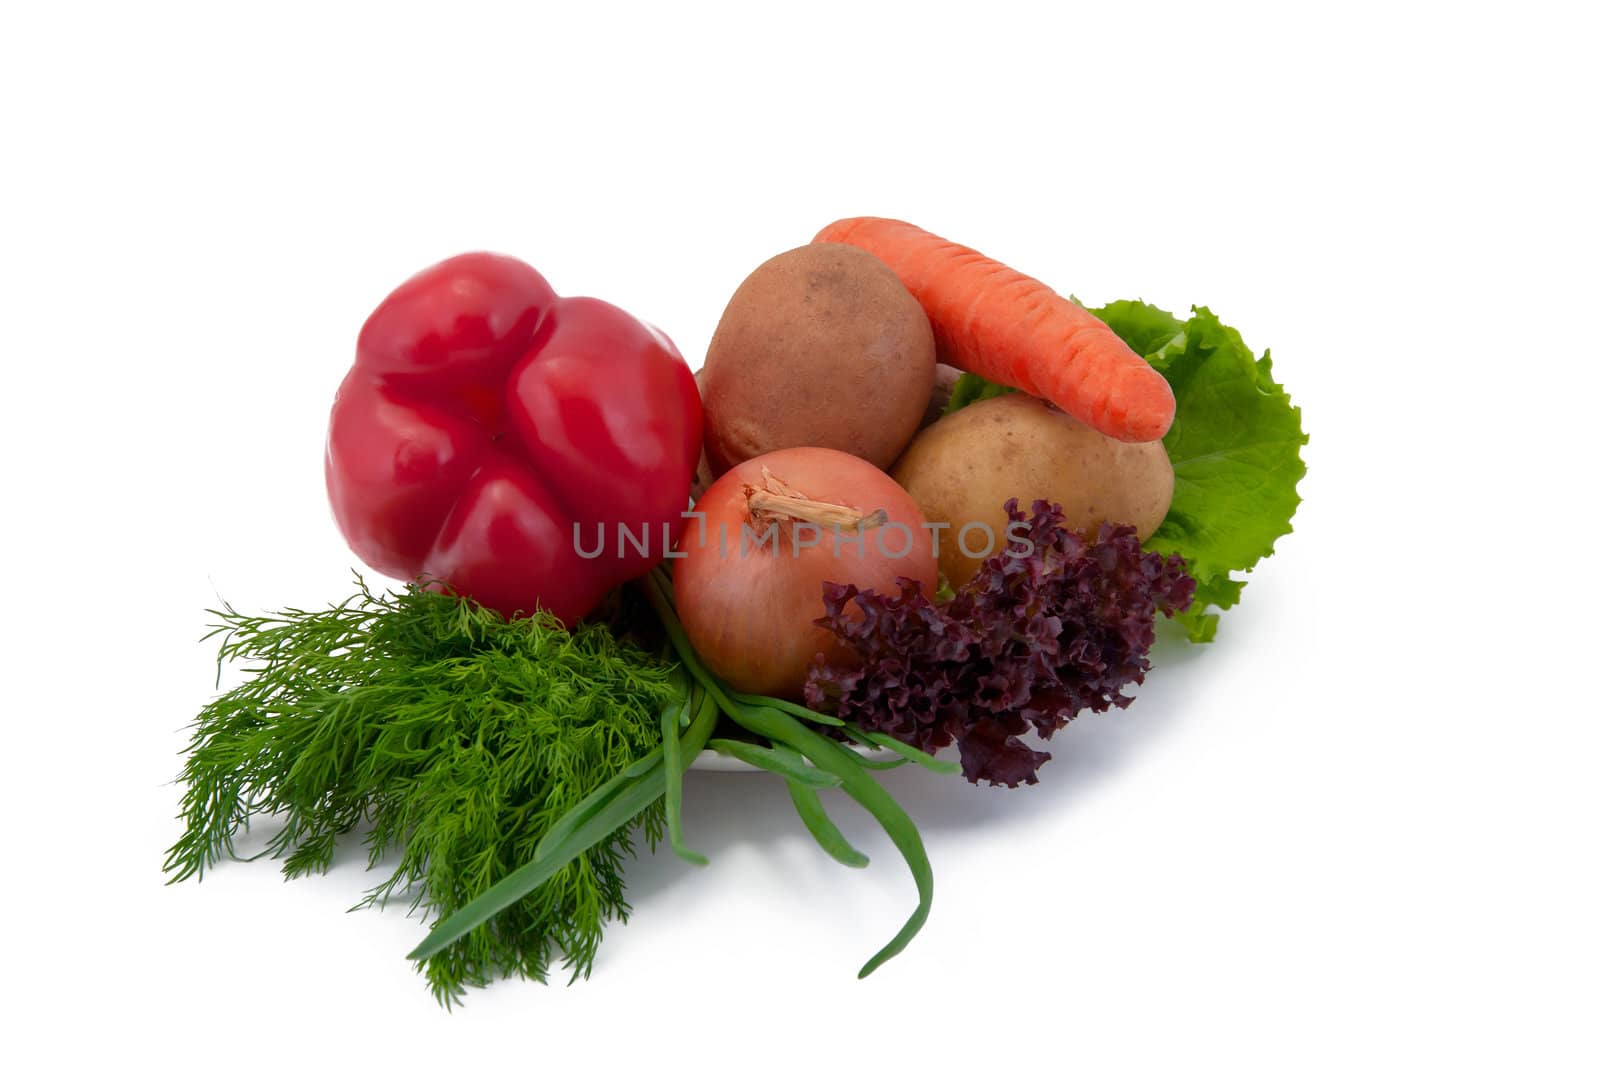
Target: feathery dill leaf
{"points": [[453, 737]]}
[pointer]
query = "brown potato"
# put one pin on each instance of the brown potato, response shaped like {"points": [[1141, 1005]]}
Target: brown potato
{"points": [[820, 346], [962, 469]]}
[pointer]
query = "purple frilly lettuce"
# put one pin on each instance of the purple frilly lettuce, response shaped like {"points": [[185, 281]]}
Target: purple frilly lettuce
{"points": [[1026, 644]]}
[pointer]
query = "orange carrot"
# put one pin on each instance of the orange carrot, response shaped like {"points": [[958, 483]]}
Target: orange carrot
{"points": [[1010, 328]]}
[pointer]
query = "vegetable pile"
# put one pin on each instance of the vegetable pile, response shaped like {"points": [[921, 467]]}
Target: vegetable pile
{"points": [[939, 509]]}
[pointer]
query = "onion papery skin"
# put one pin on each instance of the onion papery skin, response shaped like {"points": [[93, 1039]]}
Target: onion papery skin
{"points": [[750, 606]]}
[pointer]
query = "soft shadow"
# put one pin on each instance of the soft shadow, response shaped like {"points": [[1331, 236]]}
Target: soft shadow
{"points": [[1084, 754], [1091, 749], [725, 810], [721, 811]]}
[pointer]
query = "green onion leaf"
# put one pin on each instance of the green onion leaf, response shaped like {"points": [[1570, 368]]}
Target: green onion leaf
{"points": [[903, 749], [793, 709], [783, 763], [672, 770], [808, 805]]}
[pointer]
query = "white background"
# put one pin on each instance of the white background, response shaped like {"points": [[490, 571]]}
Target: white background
{"points": [[1358, 831]]}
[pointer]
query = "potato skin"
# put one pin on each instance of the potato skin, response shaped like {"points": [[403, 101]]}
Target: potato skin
{"points": [[820, 346], [963, 468]]}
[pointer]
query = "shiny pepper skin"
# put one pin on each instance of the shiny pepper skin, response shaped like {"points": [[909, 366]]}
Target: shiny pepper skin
{"points": [[488, 425]]}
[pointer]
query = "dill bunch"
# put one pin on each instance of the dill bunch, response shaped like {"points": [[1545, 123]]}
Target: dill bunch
{"points": [[453, 737]]}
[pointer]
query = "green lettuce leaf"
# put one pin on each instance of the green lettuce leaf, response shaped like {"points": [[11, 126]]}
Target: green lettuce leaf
{"points": [[1235, 449], [973, 388], [1145, 328]]}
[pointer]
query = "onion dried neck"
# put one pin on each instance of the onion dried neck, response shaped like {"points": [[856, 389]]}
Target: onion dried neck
{"points": [[777, 502]]}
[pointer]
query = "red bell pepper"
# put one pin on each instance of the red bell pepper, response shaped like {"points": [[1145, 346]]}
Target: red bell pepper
{"points": [[487, 425]]}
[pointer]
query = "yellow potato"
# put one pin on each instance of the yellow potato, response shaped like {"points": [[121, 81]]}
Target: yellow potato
{"points": [[962, 469]]}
